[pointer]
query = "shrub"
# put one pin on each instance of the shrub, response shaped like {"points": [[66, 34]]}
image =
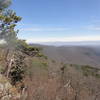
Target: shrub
{"points": [[18, 69]]}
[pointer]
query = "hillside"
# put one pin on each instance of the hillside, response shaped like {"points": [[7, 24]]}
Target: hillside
{"points": [[83, 55], [47, 79], [51, 80], [66, 66]]}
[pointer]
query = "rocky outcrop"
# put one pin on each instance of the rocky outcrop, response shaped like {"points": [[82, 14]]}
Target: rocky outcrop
{"points": [[9, 92]]}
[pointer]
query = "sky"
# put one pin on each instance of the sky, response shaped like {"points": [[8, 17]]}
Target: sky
{"points": [[58, 20]]}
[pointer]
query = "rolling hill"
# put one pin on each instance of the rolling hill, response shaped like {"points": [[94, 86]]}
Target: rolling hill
{"points": [[73, 54]]}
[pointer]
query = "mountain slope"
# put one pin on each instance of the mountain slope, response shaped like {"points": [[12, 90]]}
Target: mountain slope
{"points": [[83, 55], [46, 79]]}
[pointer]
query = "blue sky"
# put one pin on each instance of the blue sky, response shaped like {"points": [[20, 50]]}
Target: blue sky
{"points": [[58, 20]]}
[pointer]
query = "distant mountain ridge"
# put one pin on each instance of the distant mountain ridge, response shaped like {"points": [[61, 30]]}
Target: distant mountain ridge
{"points": [[81, 43], [85, 54]]}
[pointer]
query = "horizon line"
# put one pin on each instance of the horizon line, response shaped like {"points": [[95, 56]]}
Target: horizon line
{"points": [[64, 39]]}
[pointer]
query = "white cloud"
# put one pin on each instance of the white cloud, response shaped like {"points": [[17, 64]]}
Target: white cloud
{"points": [[64, 39], [93, 27], [36, 29]]}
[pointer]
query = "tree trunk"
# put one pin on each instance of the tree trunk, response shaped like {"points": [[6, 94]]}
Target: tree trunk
{"points": [[10, 65]]}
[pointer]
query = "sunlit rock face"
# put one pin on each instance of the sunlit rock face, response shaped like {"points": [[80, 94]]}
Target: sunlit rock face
{"points": [[2, 41], [9, 92]]}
